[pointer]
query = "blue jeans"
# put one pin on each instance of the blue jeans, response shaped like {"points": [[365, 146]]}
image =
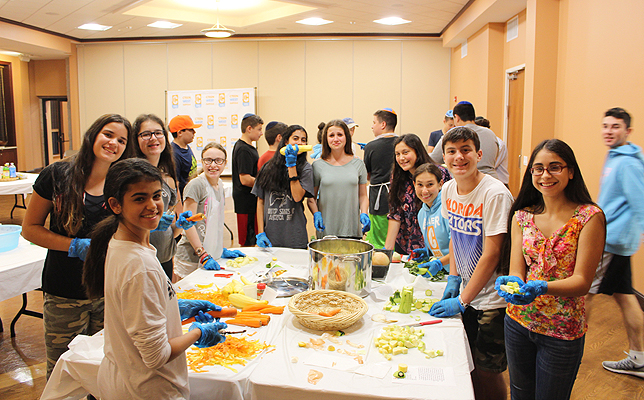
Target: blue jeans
{"points": [[541, 367]]}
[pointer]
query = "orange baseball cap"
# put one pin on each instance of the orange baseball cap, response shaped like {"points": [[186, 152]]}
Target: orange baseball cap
{"points": [[181, 122]]}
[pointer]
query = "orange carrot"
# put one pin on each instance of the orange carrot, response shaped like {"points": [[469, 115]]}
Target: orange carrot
{"points": [[338, 275], [330, 313], [264, 318], [273, 310], [226, 312], [253, 323], [196, 217], [323, 282], [255, 307]]}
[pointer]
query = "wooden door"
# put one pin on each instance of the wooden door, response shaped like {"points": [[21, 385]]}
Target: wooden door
{"points": [[515, 129]]}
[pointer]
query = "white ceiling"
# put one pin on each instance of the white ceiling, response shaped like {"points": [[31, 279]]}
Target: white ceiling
{"points": [[129, 18]]}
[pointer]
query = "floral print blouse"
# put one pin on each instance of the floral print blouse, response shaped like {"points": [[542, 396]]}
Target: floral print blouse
{"points": [[551, 259], [410, 236]]}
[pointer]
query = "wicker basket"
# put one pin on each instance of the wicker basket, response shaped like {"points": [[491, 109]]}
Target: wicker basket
{"points": [[306, 306]]}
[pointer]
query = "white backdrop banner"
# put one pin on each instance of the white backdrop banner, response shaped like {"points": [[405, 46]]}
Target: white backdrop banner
{"points": [[220, 112]]}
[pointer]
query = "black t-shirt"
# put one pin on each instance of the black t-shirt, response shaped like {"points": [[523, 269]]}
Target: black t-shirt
{"points": [[62, 275], [379, 159], [244, 159]]}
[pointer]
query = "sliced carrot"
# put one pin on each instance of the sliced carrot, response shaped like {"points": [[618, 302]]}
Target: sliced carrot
{"points": [[330, 313], [323, 282], [196, 217], [273, 310], [255, 307], [226, 312], [338, 275], [264, 318], [253, 323]]}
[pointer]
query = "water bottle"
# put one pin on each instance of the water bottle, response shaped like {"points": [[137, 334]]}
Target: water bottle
{"points": [[12, 170], [5, 171]]}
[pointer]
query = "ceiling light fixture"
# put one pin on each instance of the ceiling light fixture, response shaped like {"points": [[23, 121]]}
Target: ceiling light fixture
{"points": [[391, 21], [94, 27], [314, 21], [218, 31], [164, 25]]}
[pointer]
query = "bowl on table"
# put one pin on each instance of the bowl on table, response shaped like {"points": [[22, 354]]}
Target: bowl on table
{"points": [[9, 235], [306, 307]]}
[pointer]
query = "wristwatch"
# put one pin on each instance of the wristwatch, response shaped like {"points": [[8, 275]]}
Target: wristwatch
{"points": [[464, 305], [199, 251]]}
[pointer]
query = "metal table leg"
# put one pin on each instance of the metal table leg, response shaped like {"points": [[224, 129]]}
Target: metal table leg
{"points": [[23, 311], [16, 205]]}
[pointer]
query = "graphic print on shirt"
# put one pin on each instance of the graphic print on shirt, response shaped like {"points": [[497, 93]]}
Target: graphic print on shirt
{"points": [[466, 226], [276, 211], [433, 242], [171, 292]]}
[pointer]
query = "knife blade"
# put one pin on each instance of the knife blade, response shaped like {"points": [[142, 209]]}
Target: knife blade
{"points": [[423, 323]]}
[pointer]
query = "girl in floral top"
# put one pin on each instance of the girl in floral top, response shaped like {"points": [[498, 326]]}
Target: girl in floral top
{"points": [[556, 242], [403, 232]]}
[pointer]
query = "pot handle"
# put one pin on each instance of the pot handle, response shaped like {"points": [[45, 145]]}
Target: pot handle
{"points": [[329, 237]]}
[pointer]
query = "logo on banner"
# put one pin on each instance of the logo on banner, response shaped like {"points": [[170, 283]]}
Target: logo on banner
{"points": [[233, 121], [222, 99], [198, 120], [222, 141], [186, 101], [222, 121], [233, 98], [175, 101], [211, 122], [246, 98], [198, 100], [199, 142], [210, 100]]}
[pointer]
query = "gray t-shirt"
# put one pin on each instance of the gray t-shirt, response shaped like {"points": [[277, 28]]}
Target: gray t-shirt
{"points": [[164, 241], [489, 147], [197, 190], [284, 220], [338, 198]]}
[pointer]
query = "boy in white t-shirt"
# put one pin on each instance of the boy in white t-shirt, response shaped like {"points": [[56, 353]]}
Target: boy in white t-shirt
{"points": [[477, 207]]}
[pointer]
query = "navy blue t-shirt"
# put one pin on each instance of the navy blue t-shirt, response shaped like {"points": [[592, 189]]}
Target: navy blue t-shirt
{"points": [[186, 164]]}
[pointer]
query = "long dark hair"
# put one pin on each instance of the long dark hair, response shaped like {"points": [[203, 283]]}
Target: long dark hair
{"points": [[326, 149], [69, 192], [166, 160], [120, 176], [274, 174], [399, 177], [530, 199]]}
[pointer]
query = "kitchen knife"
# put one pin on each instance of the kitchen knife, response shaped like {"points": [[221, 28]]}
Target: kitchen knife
{"points": [[423, 323]]}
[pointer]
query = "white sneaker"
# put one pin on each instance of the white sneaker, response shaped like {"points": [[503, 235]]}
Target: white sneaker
{"points": [[625, 366]]}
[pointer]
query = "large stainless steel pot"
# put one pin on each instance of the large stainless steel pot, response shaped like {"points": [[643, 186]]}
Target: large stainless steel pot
{"points": [[340, 264]]}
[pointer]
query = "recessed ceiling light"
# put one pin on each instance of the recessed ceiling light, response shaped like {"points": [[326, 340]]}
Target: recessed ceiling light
{"points": [[314, 21], [164, 25], [391, 21], [94, 27]]}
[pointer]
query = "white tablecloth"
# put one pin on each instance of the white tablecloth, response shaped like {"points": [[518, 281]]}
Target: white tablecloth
{"points": [[21, 186], [274, 376], [21, 269]]}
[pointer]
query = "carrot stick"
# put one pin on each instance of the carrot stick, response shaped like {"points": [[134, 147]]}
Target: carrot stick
{"points": [[226, 312], [273, 310], [253, 323], [196, 217], [255, 307], [264, 318], [330, 313]]}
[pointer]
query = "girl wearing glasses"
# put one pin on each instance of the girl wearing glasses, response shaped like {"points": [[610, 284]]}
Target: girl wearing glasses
{"points": [[556, 242], [150, 140], [203, 243], [281, 186]]}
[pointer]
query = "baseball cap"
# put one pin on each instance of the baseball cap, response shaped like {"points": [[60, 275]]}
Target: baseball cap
{"points": [[449, 114], [181, 122], [350, 122]]}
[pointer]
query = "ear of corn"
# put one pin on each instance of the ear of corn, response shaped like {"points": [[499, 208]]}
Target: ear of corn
{"points": [[301, 149], [241, 300]]}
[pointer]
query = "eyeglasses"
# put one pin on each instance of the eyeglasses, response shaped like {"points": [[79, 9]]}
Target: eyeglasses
{"points": [[208, 161], [147, 135], [554, 169]]}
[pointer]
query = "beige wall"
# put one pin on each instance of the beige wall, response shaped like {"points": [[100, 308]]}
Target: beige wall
{"points": [[298, 81]]}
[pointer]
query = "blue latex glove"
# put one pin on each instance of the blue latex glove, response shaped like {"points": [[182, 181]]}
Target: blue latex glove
{"points": [[78, 248], [317, 221], [232, 253], [432, 267], [262, 240], [366, 223], [204, 318], [446, 308], [209, 263], [503, 280], [362, 145], [531, 290], [190, 308], [164, 223], [210, 335], [420, 254], [453, 287], [317, 151], [182, 221], [291, 155]]}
